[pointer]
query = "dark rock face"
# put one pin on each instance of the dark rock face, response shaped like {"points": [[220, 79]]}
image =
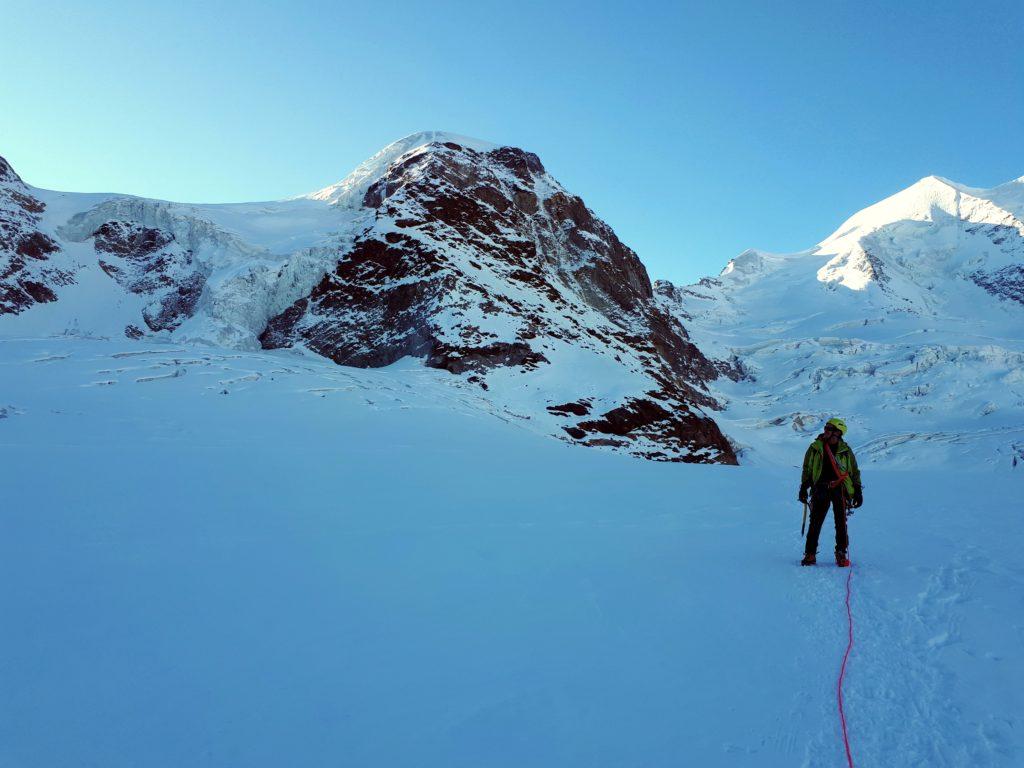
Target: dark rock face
{"points": [[579, 408], [480, 359], [677, 433], [129, 241], [373, 310], [478, 261], [148, 262], [7, 174], [1006, 283], [27, 275]]}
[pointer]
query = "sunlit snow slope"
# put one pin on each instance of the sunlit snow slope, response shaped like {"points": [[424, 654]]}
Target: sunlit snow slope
{"points": [[908, 321]]}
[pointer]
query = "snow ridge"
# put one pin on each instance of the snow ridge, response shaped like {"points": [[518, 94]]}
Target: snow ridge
{"points": [[906, 320], [349, 191]]}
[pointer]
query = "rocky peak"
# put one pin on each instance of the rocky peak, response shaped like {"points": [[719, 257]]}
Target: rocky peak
{"points": [[26, 275], [463, 254], [349, 191], [478, 261], [7, 174]]}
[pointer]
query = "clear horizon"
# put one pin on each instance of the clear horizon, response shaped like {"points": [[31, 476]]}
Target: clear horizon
{"points": [[695, 133]]}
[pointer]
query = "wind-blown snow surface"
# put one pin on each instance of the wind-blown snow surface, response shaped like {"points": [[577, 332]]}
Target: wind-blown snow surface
{"points": [[216, 558], [908, 321]]}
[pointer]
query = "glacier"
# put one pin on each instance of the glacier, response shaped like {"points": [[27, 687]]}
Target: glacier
{"points": [[260, 558], [908, 321], [219, 554]]}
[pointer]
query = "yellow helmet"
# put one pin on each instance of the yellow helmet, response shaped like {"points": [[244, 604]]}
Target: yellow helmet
{"points": [[838, 424]]}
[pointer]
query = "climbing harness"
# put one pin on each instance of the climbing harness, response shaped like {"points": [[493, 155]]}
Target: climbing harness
{"points": [[840, 476]]}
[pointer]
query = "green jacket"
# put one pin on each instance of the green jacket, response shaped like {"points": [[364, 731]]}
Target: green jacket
{"points": [[847, 462]]}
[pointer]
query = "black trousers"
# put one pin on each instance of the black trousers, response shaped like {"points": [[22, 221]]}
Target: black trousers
{"points": [[821, 498]]}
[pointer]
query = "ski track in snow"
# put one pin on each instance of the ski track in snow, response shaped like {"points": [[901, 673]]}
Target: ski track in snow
{"points": [[904, 696]]}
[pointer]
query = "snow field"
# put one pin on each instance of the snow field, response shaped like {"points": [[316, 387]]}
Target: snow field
{"points": [[222, 558]]}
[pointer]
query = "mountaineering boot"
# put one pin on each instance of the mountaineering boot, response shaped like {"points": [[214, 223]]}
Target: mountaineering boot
{"points": [[809, 559], [841, 559]]}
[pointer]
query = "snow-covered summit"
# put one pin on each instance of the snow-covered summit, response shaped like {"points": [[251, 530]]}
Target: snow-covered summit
{"points": [[350, 190], [907, 320], [913, 251], [751, 265], [931, 199], [934, 230]]}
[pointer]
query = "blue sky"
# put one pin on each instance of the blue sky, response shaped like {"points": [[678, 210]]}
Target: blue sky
{"points": [[694, 130]]}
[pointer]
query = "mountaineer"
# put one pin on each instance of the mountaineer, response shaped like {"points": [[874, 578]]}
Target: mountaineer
{"points": [[831, 476]]}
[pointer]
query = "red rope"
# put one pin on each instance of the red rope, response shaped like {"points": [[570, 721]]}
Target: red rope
{"points": [[842, 671]]}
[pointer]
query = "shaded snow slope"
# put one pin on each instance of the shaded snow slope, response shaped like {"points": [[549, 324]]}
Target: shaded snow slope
{"points": [[219, 557], [908, 321], [249, 260]]}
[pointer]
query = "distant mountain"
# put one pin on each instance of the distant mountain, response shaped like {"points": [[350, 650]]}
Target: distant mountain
{"points": [[465, 255], [469, 258], [908, 321]]}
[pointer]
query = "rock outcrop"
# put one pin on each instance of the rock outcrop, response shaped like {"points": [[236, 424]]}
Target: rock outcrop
{"points": [[149, 262], [27, 275], [477, 260]]}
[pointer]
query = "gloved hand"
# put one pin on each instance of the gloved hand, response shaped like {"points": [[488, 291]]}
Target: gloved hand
{"points": [[858, 497], [802, 496]]}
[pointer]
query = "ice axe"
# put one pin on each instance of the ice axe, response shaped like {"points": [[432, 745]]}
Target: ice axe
{"points": [[803, 523]]}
